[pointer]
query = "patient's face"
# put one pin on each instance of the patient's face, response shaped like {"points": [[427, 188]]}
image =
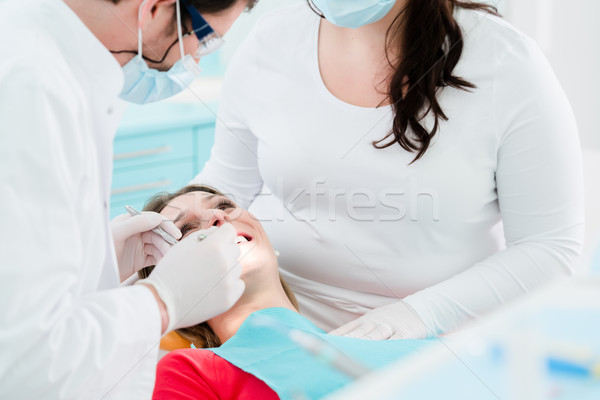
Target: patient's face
{"points": [[200, 210]]}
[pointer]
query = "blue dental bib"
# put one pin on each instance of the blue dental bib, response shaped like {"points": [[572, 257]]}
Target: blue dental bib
{"points": [[290, 370]]}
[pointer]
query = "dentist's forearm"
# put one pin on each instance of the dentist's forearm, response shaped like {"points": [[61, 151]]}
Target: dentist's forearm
{"points": [[164, 316]]}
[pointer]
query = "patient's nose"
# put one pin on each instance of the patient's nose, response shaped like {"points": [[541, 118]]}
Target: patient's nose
{"points": [[220, 217]]}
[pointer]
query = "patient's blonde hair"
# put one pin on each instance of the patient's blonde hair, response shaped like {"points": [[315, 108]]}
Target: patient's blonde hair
{"points": [[201, 335]]}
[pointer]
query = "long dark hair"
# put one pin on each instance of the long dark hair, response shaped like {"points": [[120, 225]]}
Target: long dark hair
{"points": [[430, 48]]}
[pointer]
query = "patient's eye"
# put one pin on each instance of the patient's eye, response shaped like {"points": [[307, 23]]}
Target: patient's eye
{"points": [[225, 205], [187, 228]]}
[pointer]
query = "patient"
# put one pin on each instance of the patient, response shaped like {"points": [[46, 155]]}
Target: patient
{"points": [[242, 349]]}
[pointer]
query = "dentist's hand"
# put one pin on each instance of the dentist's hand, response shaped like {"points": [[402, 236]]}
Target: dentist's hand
{"points": [[199, 279], [135, 243], [392, 321]]}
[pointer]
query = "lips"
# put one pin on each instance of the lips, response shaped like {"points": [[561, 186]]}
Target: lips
{"points": [[242, 238]]}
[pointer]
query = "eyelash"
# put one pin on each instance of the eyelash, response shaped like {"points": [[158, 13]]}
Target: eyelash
{"points": [[223, 205], [187, 227]]}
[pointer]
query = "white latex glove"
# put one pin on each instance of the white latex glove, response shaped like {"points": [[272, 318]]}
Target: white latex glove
{"points": [[136, 245], [393, 321], [198, 280]]}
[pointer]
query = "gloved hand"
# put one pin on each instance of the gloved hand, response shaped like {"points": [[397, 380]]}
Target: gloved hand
{"points": [[392, 321], [135, 243], [198, 280]]}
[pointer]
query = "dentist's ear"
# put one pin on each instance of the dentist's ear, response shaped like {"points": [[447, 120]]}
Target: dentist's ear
{"points": [[144, 11], [149, 9]]}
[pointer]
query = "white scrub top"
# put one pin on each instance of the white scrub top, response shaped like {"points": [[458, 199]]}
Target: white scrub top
{"points": [[492, 210], [66, 330]]}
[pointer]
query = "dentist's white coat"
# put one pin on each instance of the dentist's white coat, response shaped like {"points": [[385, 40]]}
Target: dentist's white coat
{"points": [[66, 330]]}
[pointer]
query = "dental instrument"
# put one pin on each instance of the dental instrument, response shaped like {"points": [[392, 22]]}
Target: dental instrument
{"points": [[158, 230]]}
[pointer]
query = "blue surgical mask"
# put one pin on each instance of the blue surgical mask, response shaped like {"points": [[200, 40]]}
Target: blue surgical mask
{"points": [[354, 13], [146, 85]]}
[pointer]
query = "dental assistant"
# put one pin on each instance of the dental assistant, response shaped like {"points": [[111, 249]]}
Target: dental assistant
{"points": [[67, 330], [415, 162]]}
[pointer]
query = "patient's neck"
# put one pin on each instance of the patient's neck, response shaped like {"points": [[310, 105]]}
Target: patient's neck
{"points": [[257, 296]]}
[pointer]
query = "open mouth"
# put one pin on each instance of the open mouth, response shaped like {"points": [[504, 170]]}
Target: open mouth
{"points": [[242, 238]]}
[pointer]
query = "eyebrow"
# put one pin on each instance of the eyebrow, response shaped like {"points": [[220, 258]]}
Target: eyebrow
{"points": [[182, 214]]}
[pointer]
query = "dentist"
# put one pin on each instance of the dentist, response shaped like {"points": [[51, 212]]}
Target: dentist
{"points": [[67, 330]]}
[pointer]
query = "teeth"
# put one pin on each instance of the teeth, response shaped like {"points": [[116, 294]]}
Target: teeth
{"points": [[240, 239]]}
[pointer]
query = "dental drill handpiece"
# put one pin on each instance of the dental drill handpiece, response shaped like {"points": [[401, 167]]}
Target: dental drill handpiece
{"points": [[158, 230]]}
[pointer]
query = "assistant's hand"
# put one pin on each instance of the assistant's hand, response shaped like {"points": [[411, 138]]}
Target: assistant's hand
{"points": [[393, 321], [198, 280], [136, 245]]}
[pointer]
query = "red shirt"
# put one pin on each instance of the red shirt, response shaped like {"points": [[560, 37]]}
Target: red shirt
{"points": [[191, 374]]}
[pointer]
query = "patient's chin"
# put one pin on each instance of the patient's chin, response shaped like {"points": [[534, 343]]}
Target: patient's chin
{"points": [[250, 261], [256, 260]]}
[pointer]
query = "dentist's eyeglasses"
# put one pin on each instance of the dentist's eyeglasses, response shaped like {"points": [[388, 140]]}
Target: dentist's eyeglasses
{"points": [[210, 41]]}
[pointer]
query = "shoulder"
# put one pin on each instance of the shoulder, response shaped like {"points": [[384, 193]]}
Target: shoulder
{"points": [[280, 33], [36, 79], [199, 362], [34, 66], [480, 25], [496, 51], [287, 21], [492, 38], [185, 374], [32, 54], [282, 42], [524, 86], [199, 373], [517, 59], [186, 359]]}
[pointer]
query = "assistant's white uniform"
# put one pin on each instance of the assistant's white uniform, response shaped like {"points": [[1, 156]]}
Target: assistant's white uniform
{"points": [[66, 330], [492, 210]]}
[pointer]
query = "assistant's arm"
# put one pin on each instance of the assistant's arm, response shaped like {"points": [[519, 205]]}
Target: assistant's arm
{"points": [[59, 338], [540, 194], [233, 164]]}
